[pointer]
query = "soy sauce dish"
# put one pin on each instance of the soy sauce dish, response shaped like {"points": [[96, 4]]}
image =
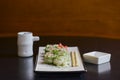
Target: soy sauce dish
{"points": [[97, 57]]}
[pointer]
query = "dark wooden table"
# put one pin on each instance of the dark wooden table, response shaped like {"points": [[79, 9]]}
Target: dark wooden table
{"points": [[13, 67]]}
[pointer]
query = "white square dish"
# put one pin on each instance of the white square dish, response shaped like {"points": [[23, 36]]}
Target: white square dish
{"points": [[96, 57], [42, 67]]}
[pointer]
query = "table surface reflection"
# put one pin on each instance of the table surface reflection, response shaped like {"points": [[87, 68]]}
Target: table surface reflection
{"points": [[13, 67]]}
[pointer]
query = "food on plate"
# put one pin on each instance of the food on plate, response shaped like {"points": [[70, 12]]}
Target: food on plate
{"points": [[57, 54]]}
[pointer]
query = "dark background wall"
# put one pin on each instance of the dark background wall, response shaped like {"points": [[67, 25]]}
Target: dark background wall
{"points": [[99, 18]]}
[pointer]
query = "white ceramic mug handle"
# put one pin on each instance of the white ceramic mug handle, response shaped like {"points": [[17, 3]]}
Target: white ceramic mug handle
{"points": [[36, 38]]}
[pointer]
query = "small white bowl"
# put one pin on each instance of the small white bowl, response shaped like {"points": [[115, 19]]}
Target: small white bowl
{"points": [[96, 57]]}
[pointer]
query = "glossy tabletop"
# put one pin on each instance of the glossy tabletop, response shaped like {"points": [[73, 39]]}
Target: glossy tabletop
{"points": [[13, 67]]}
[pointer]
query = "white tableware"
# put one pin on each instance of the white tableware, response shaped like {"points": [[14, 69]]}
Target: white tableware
{"points": [[42, 67], [25, 43], [96, 57]]}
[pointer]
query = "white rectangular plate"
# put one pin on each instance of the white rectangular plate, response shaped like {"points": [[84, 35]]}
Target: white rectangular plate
{"points": [[42, 67]]}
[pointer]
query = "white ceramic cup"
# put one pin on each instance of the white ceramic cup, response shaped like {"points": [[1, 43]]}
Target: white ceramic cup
{"points": [[25, 43]]}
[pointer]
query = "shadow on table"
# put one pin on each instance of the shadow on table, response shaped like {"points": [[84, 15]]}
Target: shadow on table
{"points": [[99, 69], [26, 67], [98, 72], [59, 76]]}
